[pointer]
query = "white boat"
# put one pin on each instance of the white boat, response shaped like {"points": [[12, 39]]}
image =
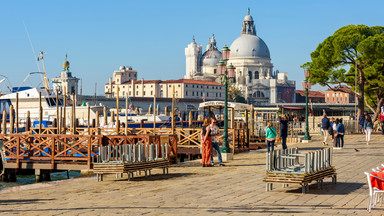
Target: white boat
{"points": [[28, 100]]}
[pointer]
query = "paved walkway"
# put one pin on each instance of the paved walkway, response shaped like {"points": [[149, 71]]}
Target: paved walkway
{"points": [[236, 189]]}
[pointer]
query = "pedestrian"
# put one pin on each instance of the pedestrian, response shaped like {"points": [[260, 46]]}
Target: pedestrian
{"points": [[368, 126], [381, 116], [283, 130], [324, 112], [215, 132], [334, 133], [206, 142], [340, 134], [330, 129], [361, 122], [325, 126], [270, 135]]}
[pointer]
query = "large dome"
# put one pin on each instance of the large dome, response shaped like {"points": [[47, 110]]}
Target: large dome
{"points": [[211, 58], [248, 45]]}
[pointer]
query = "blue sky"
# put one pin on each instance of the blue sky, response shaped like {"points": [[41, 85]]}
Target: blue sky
{"points": [[151, 36]]}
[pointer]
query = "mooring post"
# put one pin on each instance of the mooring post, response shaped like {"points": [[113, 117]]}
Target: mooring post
{"points": [[64, 111], [28, 121], [11, 120], [113, 116], [57, 111], [126, 114], [154, 113], [73, 112], [98, 123], [40, 113], [173, 110], [105, 115], [17, 112], [117, 112], [89, 120]]}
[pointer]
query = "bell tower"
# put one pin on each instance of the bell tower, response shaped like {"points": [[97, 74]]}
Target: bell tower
{"points": [[193, 54]]}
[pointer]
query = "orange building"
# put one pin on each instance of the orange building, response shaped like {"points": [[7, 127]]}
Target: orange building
{"points": [[313, 96], [332, 96]]}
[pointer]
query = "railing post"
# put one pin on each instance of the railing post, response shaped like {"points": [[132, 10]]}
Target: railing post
{"points": [[53, 153], [89, 151], [18, 152]]}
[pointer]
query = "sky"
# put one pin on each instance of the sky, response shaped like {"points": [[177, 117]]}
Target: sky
{"points": [[150, 36]]}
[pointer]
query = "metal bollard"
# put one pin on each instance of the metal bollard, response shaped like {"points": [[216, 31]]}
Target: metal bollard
{"points": [[151, 152], [157, 152]]}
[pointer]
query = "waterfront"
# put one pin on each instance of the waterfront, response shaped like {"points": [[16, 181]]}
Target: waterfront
{"points": [[30, 179], [236, 189]]}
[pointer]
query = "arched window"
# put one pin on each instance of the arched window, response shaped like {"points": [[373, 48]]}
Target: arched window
{"points": [[256, 74], [250, 76], [258, 94]]}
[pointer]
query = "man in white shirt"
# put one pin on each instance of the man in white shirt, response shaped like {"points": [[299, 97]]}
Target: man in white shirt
{"points": [[215, 132]]}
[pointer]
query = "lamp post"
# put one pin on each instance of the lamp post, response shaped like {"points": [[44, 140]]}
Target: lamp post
{"points": [[307, 86], [227, 73]]}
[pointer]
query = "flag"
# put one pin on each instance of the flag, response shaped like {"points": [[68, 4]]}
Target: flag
{"points": [[203, 99], [130, 107]]}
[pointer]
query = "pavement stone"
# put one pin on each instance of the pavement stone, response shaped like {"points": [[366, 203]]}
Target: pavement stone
{"points": [[189, 189]]}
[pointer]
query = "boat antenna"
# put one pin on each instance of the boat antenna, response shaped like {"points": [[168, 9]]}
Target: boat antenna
{"points": [[41, 58], [38, 58], [33, 49]]}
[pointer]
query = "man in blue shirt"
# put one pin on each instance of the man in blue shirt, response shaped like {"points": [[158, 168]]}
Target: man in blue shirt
{"points": [[361, 121], [324, 127]]}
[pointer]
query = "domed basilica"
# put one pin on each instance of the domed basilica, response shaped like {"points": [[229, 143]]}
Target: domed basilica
{"points": [[254, 74]]}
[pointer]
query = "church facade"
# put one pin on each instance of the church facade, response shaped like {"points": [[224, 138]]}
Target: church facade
{"points": [[254, 75]]}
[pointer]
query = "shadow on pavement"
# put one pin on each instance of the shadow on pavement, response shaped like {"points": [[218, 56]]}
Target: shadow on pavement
{"points": [[341, 188], [156, 177], [23, 201]]}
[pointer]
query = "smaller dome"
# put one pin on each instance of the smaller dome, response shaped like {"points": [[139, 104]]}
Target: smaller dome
{"points": [[211, 58], [122, 68], [66, 64], [248, 18]]}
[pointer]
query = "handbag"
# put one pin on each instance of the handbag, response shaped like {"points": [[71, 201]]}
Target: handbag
{"points": [[335, 135]]}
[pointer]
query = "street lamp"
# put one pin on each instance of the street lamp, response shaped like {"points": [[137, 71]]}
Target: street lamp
{"points": [[227, 73], [306, 86]]}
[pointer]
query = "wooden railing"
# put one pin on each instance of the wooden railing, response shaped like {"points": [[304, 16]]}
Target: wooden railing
{"points": [[61, 148], [187, 137]]}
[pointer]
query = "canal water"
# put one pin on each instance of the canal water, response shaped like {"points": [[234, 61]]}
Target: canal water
{"points": [[30, 179]]}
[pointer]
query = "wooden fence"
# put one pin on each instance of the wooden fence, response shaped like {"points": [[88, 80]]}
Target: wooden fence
{"points": [[78, 150], [186, 137]]}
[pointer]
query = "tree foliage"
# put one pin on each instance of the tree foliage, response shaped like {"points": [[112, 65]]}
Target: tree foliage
{"points": [[351, 48]]}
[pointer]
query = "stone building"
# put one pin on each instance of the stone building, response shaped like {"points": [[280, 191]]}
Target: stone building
{"points": [[332, 96], [313, 96], [66, 81], [125, 80], [254, 74]]}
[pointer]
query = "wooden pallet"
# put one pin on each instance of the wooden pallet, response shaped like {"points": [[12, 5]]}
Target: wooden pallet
{"points": [[129, 168], [302, 179]]}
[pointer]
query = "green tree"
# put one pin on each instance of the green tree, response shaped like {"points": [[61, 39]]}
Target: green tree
{"points": [[351, 48], [235, 94]]}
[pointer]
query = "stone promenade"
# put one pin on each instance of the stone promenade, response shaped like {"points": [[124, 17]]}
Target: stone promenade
{"points": [[236, 189]]}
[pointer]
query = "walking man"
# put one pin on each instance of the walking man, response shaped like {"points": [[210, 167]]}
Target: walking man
{"points": [[283, 130], [361, 122], [324, 126]]}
